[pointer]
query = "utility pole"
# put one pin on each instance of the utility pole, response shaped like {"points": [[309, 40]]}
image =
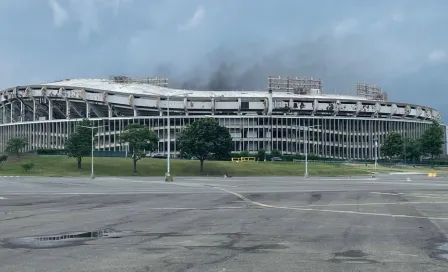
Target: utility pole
{"points": [[168, 176], [306, 148], [404, 147], [92, 176], [376, 153]]}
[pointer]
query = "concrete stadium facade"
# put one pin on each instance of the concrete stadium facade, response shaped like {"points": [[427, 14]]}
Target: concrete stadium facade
{"points": [[333, 126]]}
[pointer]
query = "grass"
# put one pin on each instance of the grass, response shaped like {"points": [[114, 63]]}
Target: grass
{"points": [[58, 166], [408, 168]]}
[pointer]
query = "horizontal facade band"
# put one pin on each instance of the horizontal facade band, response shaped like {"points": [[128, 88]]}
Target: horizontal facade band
{"points": [[41, 102]]}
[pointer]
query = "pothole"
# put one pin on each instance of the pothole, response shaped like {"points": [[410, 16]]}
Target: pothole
{"points": [[352, 257], [350, 254], [61, 240]]}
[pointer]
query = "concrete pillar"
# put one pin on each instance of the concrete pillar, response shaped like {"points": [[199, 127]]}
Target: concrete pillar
{"points": [[22, 112], [87, 110], [50, 109], [67, 109], [34, 110], [110, 111], [11, 105]]}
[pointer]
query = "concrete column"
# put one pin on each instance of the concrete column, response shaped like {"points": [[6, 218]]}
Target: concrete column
{"points": [[110, 111], [50, 109], [11, 105], [22, 112], [87, 110], [4, 114], [67, 109], [34, 110]]}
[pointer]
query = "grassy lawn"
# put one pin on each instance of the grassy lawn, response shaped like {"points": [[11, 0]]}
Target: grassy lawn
{"points": [[63, 166], [407, 168]]}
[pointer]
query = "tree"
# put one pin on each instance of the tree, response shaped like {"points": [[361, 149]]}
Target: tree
{"points": [[203, 138], [79, 143], [276, 153], [261, 156], [16, 146], [3, 159], [393, 145], [412, 149], [140, 139], [432, 141]]}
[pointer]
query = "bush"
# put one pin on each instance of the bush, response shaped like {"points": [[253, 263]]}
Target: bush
{"points": [[3, 159], [276, 153], [244, 153], [235, 155], [27, 166], [261, 155], [51, 152]]}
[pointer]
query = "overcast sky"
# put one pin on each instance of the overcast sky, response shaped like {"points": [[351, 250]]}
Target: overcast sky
{"points": [[399, 45]]}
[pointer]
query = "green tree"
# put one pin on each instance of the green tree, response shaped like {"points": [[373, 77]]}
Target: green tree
{"points": [[393, 145], [276, 153], [411, 149], [203, 138], [16, 146], [141, 140], [79, 143], [3, 159], [432, 141], [261, 155]]}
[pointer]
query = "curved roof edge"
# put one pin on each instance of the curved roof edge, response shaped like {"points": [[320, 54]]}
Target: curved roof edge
{"points": [[147, 89]]}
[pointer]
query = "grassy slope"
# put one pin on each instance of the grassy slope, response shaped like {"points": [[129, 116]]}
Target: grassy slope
{"points": [[63, 166]]}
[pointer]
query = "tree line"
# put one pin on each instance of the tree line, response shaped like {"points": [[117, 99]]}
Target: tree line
{"points": [[429, 144], [203, 139]]}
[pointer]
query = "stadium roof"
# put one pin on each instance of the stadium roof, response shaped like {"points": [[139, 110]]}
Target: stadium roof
{"points": [[152, 90]]}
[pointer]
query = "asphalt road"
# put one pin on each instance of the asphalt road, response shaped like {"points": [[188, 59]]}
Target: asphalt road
{"points": [[385, 223]]}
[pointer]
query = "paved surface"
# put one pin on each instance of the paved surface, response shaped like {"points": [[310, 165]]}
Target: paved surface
{"points": [[386, 223]]}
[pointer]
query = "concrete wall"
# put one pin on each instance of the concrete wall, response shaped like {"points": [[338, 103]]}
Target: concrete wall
{"points": [[332, 137]]}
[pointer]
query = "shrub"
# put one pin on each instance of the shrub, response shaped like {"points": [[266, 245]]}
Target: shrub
{"points": [[27, 166]]}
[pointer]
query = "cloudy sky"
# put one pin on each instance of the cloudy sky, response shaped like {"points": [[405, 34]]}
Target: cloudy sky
{"points": [[399, 45]]}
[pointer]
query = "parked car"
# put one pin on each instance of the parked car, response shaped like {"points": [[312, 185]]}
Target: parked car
{"points": [[276, 159], [159, 156]]}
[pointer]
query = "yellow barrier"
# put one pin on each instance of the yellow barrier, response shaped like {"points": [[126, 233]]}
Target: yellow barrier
{"points": [[432, 174], [247, 158], [243, 159]]}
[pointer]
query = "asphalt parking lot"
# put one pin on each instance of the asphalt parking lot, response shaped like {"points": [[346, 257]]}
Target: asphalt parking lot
{"points": [[384, 223]]}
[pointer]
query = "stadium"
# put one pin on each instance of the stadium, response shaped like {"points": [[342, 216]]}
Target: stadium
{"points": [[292, 115]]}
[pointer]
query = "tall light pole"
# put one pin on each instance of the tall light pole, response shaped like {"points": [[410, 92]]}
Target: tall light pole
{"points": [[92, 176], [306, 148], [376, 153], [404, 147], [168, 176]]}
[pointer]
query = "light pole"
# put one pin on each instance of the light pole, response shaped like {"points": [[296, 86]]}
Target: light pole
{"points": [[376, 153], [168, 176], [306, 148], [92, 176]]}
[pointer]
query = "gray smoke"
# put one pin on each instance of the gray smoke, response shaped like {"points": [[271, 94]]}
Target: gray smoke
{"points": [[339, 62]]}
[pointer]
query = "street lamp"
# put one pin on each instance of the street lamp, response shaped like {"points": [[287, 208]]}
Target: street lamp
{"points": [[168, 176], [92, 176], [376, 153], [306, 148]]}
